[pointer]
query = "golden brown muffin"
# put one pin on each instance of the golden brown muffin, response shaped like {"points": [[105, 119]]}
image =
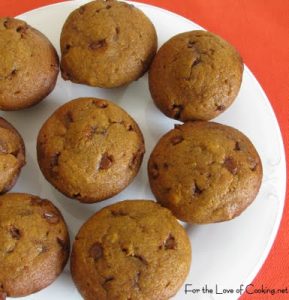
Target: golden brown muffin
{"points": [[34, 244], [195, 75], [107, 44], [205, 172], [12, 155], [28, 65], [90, 149], [130, 250]]}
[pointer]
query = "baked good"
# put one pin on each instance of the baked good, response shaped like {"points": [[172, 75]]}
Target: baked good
{"points": [[130, 250], [195, 75], [90, 149], [205, 172], [34, 244], [29, 65], [12, 155], [107, 44]]}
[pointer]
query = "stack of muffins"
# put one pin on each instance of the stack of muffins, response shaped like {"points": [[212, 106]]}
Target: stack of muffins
{"points": [[91, 149]]}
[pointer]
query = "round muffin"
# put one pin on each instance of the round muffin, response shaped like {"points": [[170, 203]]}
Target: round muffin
{"points": [[205, 172], [107, 44], [90, 149], [195, 75], [29, 65], [34, 244], [12, 155], [130, 250]]}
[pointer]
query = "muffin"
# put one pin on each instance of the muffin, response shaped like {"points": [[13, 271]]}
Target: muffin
{"points": [[90, 149], [12, 155], [29, 65], [130, 250], [107, 44], [195, 75], [205, 172], [34, 244]]}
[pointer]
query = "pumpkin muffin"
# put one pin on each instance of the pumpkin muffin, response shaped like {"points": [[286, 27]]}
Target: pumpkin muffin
{"points": [[205, 172], [107, 44], [28, 65], [12, 155], [195, 75], [130, 250], [90, 149], [34, 244]]}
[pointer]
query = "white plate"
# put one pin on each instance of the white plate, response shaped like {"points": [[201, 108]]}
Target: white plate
{"points": [[227, 254]]}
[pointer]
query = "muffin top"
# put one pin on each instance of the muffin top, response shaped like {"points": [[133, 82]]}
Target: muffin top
{"points": [[205, 172], [12, 155], [106, 44], [29, 65], [131, 250], [195, 75], [34, 244], [90, 149]]}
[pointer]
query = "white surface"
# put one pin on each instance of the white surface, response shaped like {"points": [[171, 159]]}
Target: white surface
{"points": [[227, 254]]}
